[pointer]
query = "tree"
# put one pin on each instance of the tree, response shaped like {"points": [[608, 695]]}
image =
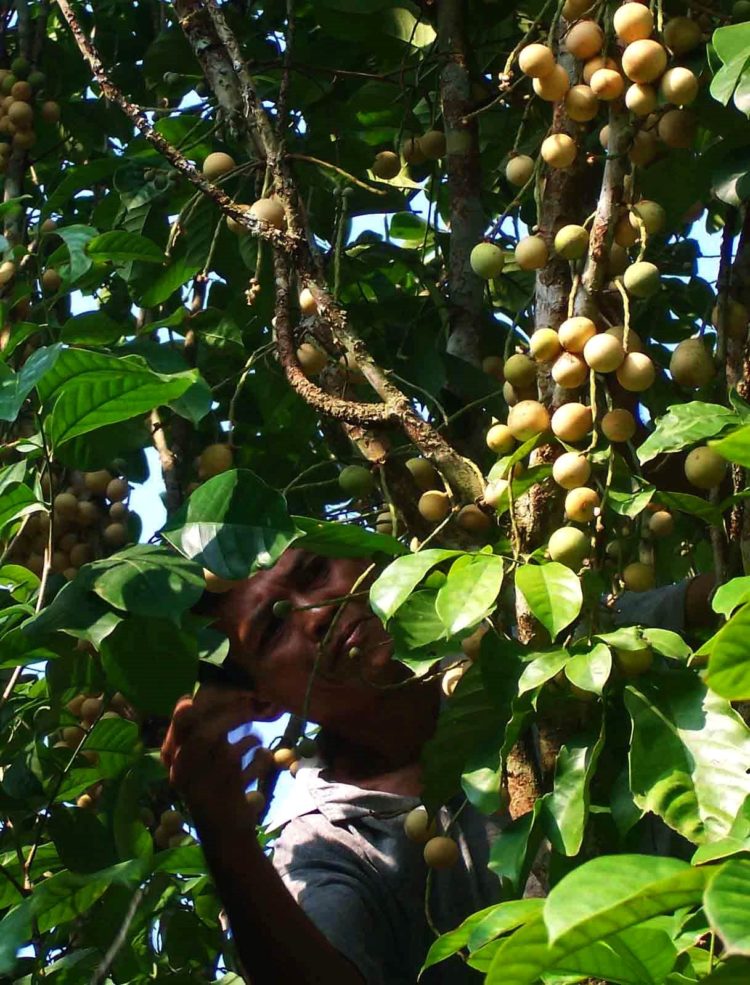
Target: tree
{"points": [[518, 398]]}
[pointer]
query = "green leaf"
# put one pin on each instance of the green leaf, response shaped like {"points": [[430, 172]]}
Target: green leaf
{"points": [[17, 501], [729, 659], [15, 387], [667, 643], [151, 661], [629, 504], [76, 239], [117, 743], [408, 227], [401, 577], [542, 669], [119, 246], [470, 590], [693, 505], [727, 597], [565, 810], [553, 593], [683, 425], [335, 539], [501, 919], [417, 624], [731, 44], [688, 755], [512, 854], [74, 610], [590, 671], [725, 903], [735, 446], [167, 282], [92, 328], [455, 940], [231, 524]]}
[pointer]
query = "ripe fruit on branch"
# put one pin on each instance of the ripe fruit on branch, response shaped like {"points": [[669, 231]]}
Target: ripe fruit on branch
{"points": [[536, 60], [97, 482], [572, 422], [644, 61], [472, 644], [115, 535], [356, 481], [527, 419], [473, 520], [603, 353], [307, 304], [544, 345], [634, 340], [500, 439], [559, 150], [571, 470], [20, 114], [441, 853], [633, 663], [117, 490], [661, 524], [432, 144], [51, 281], [682, 34], [520, 370], [618, 425], [575, 332], [65, 505], [633, 22], [423, 473], [691, 364], [636, 372], [736, 317], [570, 546], [269, 210], [215, 459], [386, 165], [571, 242], [412, 152], [384, 524], [581, 104], [581, 504], [644, 148], [569, 370], [552, 87], [704, 468], [677, 128], [217, 585], [519, 169], [311, 359], [584, 40], [50, 111], [487, 260], [531, 253], [283, 757], [7, 272], [679, 86], [434, 505], [641, 99], [573, 9], [418, 826], [639, 577], [607, 84], [651, 214], [642, 279], [594, 64], [217, 164]]}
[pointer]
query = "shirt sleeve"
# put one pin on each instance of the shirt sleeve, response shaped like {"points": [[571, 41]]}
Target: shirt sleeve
{"points": [[658, 608]]}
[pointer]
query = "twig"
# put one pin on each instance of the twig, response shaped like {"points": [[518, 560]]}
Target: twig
{"points": [[338, 170], [168, 462], [120, 937]]}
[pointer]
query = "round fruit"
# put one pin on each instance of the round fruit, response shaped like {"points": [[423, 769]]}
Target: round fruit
{"points": [[51, 281], [636, 372], [85, 802], [544, 345], [419, 826], [531, 253], [527, 419], [434, 505], [20, 67], [678, 85], [581, 104], [307, 303], [500, 439], [740, 11], [65, 505], [75, 704], [633, 22], [80, 554], [571, 422], [681, 35], [570, 546], [433, 145], [581, 504], [24, 139], [493, 366], [644, 148], [573, 9], [72, 735], [691, 364], [21, 114], [607, 84], [22, 91], [552, 87], [536, 60], [736, 317], [356, 481], [215, 459], [704, 468], [386, 165], [216, 585], [519, 169], [90, 710], [618, 425], [644, 61], [97, 482], [115, 535], [473, 520], [50, 111], [634, 340], [441, 853], [284, 757], [269, 210], [584, 40], [571, 470], [218, 164], [384, 524], [117, 490], [575, 332], [569, 370], [256, 801], [594, 64], [411, 151], [661, 523], [633, 663], [603, 353], [642, 279], [641, 99], [511, 395], [651, 214], [423, 473], [311, 359], [677, 128], [520, 370], [7, 272], [487, 260], [559, 150], [571, 242], [171, 822], [639, 577]]}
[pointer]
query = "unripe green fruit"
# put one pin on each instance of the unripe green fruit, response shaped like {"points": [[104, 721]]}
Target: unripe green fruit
{"points": [[571, 242], [569, 546], [661, 524], [519, 169], [544, 345], [531, 253], [633, 663], [571, 470], [218, 164], [581, 504], [651, 214], [356, 481], [386, 165], [527, 419], [642, 279], [434, 505], [741, 11], [20, 67], [704, 468], [639, 577], [691, 364], [520, 370], [487, 260], [500, 439], [572, 422], [419, 826]]}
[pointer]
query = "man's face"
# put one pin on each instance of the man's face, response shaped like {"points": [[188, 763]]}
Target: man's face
{"points": [[344, 645]]}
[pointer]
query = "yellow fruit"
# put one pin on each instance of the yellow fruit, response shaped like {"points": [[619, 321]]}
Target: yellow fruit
{"points": [[636, 373], [584, 40], [603, 353], [536, 60], [527, 419], [644, 148], [571, 242], [7, 272], [651, 214], [581, 104], [65, 505], [269, 210], [500, 439], [607, 84], [679, 86], [642, 279], [21, 114], [570, 546], [283, 757], [677, 128], [618, 425], [682, 34], [604, 136], [387, 165], [634, 340], [311, 359], [117, 490], [411, 151], [571, 470], [493, 366], [419, 826], [384, 524], [473, 520], [704, 468], [559, 150], [736, 317], [633, 22], [626, 234], [633, 663], [115, 535], [572, 422], [85, 802], [519, 169], [553, 87], [50, 111], [531, 253], [641, 99], [594, 64], [307, 304], [644, 61], [570, 370], [217, 585], [691, 364], [432, 144], [544, 345], [581, 504], [573, 9], [520, 371], [472, 644], [487, 260], [575, 332], [215, 459], [218, 164], [51, 281], [661, 523], [450, 679], [434, 505], [441, 853], [639, 577], [423, 473], [234, 225]]}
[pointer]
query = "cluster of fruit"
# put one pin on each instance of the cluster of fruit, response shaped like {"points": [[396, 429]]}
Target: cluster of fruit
{"points": [[20, 86], [440, 851], [414, 150]]}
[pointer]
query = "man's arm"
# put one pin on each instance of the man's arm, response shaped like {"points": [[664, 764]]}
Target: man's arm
{"points": [[275, 939]]}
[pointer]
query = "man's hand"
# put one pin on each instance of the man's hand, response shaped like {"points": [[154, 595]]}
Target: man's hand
{"points": [[202, 763]]}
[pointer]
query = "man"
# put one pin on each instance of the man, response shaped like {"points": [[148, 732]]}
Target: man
{"points": [[344, 899]]}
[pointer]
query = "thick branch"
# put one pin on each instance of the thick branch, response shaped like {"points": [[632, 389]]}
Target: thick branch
{"points": [[168, 462]]}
